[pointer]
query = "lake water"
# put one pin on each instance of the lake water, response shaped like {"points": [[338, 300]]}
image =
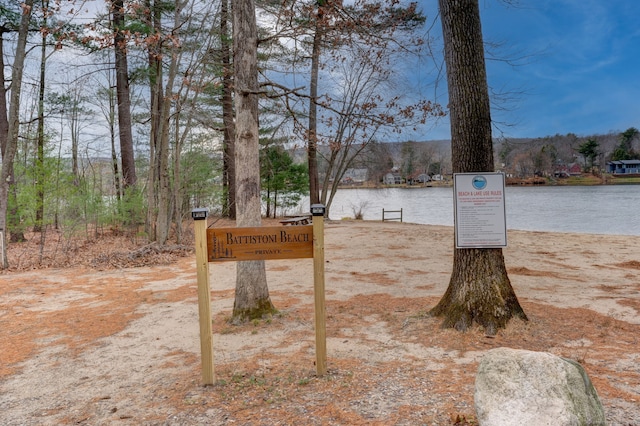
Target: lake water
{"points": [[604, 209]]}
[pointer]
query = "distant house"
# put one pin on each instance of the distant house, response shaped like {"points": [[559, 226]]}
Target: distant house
{"points": [[566, 170], [392, 178], [418, 178], [575, 169], [624, 167], [423, 178]]}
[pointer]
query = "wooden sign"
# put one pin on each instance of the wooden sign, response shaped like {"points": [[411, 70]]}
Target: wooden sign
{"points": [[260, 243]]}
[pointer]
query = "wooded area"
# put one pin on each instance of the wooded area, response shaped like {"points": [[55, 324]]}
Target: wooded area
{"points": [[120, 115]]}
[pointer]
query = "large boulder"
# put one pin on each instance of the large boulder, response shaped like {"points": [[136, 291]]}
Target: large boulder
{"points": [[517, 387]]}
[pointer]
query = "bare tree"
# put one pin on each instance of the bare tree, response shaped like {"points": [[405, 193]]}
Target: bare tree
{"points": [[252, 294], [179, 58], [479, 290], [105, 100], [195, 62], [162, 90], [360, 110], [349, 51]]}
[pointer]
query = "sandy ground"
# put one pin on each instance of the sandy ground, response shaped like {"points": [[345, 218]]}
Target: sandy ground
{"points": [[121, 346]]}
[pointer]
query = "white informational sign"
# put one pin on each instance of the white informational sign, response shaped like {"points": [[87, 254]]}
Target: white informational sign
{"points": [[479, 209]]}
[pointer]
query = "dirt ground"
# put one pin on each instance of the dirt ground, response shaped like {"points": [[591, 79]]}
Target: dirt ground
{"points": [[102, 341]]}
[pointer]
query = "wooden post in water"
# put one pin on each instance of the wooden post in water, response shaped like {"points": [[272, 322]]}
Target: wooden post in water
{"points": [[318, 210], [204, 295]]}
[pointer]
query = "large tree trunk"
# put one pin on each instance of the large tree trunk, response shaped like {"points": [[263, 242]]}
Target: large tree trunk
{"points": [[14, 225], [164, 196], [129, 177], [11, 142], [479, 290], [229, 168], [252, 294]]}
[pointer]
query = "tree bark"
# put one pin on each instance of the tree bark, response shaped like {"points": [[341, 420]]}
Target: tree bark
{"points": [[4, 121], [39, 160], [129, 177], [155, 133], [479, 290], [11, 143], [252, 294], [164, 196], [312, 143], [229, 172], [112, 137], [16, 231]]}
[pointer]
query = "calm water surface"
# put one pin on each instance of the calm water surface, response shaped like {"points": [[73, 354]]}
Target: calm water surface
{"points": [[611, 209]]}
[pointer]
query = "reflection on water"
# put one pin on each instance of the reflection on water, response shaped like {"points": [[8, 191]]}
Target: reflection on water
{"points": [[605, 209]]}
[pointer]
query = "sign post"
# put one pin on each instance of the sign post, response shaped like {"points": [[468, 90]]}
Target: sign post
{"points": [[259, 243], [318, 210], [204, 295]]}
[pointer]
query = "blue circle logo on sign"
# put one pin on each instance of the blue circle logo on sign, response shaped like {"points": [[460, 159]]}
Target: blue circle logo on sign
{"points": [[479, 182]]}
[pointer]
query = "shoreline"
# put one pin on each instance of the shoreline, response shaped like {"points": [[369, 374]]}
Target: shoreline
{"points": [[585, 180]]}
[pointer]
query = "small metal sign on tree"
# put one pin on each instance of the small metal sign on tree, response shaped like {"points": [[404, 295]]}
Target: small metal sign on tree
{"points": [[479, 210]]}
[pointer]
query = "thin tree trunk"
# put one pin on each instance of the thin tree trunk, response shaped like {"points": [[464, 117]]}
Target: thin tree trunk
{"points": [[479, 290], [252, 294], [164, 198], [268, 197], [39, 163], [155, 135], [177, 178], [229, 169], [4, 121], [114, 154], [74, 124], [312, 143]]}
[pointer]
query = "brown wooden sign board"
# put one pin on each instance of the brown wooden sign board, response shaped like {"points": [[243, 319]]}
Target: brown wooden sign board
{"points": [[259, 243]]}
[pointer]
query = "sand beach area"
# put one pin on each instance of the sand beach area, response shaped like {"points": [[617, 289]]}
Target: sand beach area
{"points": [[97, 343]]}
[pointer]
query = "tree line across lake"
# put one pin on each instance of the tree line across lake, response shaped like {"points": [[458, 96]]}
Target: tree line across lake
{"points": [[523, 158]]}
